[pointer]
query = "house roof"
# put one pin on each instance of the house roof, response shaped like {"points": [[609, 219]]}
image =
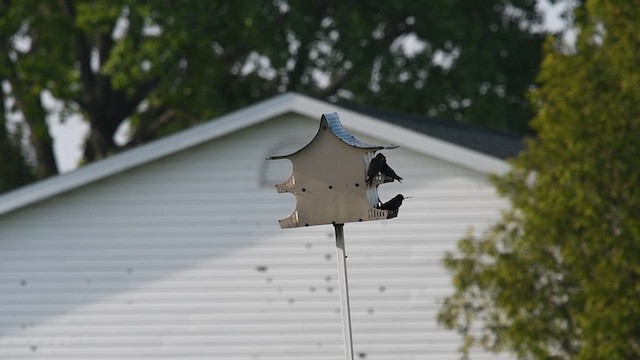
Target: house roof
{"points": [[431, 140], [499, 144]]}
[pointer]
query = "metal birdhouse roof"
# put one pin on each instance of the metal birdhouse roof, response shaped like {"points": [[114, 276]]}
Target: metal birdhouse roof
{"points": [[331, 121]]}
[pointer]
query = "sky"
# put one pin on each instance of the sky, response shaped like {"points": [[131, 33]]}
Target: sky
{"points": [[69, 136]]}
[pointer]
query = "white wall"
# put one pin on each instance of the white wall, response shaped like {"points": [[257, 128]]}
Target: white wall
{"points": [[183, 258]]}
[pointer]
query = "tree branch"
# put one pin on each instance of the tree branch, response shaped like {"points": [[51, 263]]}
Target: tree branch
{"points": [[83, 55], [146, 132]]}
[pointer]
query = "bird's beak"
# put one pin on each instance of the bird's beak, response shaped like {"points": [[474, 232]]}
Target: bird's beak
{"points": [[408, 197]]}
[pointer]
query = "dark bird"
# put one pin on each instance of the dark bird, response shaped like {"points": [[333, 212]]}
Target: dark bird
{"points": [[375, 166], [393, 204], [386, 170]]}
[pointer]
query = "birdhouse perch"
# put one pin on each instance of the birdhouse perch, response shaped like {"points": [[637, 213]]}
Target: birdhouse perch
{"points": [[329, 179]]}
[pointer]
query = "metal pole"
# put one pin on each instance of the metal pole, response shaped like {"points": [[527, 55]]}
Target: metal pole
{"points": [[344, 291]]}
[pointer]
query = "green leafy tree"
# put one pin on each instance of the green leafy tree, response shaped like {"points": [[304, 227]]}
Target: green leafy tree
{"points": [[558, 276], [165, 65]]}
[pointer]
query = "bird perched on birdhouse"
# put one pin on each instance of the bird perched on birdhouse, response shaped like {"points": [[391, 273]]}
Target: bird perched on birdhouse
{"points": [[388, 171], [378, 165], [375, 166], [393, 205]]}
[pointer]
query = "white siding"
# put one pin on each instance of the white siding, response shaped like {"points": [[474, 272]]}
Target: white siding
{"points": [[183, 258]]}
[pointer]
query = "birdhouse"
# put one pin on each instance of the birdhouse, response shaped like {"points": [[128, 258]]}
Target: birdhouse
{"points": [[329, 179]]}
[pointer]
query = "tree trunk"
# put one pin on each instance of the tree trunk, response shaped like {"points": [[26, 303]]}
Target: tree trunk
{"points": [[35, 116]]}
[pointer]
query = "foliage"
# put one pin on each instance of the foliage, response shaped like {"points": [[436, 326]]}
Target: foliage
{"points": [[557, 277], [164, 65]]}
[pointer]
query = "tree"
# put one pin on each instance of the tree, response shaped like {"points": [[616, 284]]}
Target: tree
{"points": [[165, 65], [12, 163], [557, 276]]}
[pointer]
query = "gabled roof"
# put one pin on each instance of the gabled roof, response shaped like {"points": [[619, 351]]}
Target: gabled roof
{"points": [[286, 103]]}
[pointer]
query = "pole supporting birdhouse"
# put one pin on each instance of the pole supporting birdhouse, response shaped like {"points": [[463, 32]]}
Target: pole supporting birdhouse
{"points": [[334, 182], [341, 255]]}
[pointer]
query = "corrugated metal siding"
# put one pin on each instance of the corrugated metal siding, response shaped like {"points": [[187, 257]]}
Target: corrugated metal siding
{"points": [[183, 258]]}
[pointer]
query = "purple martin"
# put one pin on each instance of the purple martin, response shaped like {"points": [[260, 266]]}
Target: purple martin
{"points": [[393, 204], [375, 166], [386, 170]]}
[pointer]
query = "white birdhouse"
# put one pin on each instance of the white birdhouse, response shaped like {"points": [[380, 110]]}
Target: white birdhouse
{"points": [[328, 179]]}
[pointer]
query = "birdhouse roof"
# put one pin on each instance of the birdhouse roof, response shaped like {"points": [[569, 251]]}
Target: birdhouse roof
{"points": [[332, 122]]}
